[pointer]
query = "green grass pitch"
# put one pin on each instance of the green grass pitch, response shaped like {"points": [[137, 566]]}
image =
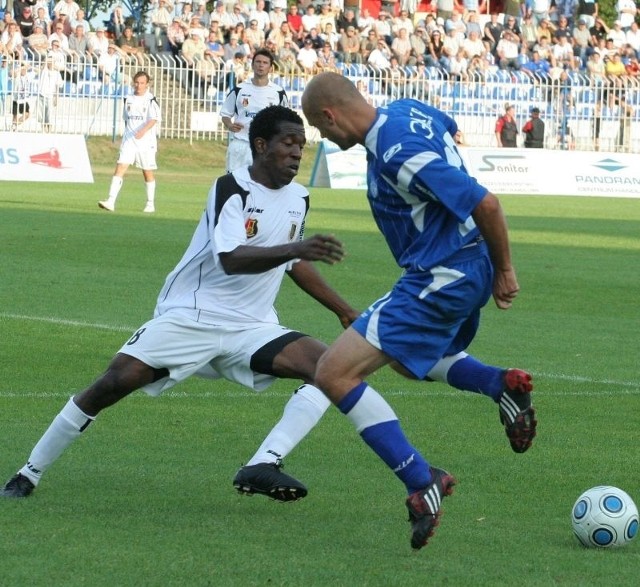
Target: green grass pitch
{"points": [[145, 498]]}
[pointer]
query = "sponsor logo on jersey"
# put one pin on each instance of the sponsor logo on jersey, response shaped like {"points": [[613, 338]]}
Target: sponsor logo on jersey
{"points": [[251, 227]]}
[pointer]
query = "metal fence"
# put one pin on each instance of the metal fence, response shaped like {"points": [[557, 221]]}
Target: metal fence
{"points": [[579, 112]]}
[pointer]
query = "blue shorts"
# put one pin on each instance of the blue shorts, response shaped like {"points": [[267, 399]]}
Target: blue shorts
{"points": [[431, 314]]}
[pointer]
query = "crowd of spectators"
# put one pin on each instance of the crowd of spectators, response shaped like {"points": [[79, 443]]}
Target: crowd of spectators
{"points": [[539, 38]]}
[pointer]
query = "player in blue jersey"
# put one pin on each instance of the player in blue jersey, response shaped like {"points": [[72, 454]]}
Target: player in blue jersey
{"points": [[450, 236]]}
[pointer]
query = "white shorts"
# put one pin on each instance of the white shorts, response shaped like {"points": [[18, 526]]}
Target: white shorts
{"points": [[238, 154], [183, 342], [144, 158]]}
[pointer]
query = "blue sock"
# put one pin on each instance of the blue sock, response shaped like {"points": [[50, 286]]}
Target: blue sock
{"points": [[470, 374], [380, 429]]}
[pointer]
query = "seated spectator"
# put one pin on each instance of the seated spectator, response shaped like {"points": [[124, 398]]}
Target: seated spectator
{"points": [[67, 8], [316, 40], [345, 20], [543, 47], [458, 67], [130, 47], [25, 22], [472, 23], [108, 64], [380, 57], [325, 17], [260, 15], [545, 30], [493, 31], [562, 54], [349, 46], [394, 79], [450, 48], [596, 70], [368, 44], [238, 69], [279, 34], [382, 26], [402, 21], [12, 40], [435, 49], [617, 35], [326, 59], [401, 48], [529, 32], [43, 19], [365, 22], [79, 20], [537, 67], [582, 41], [203, 15], [308, 57], [563, 30], [295, 24], [511, 24], [287, 58], [456, 23], [310, 19], [598, 31], [277, 16], [214, 27], [473, 45], [615, 70], [329, 35], [255, 35], [161, 17], [117, 22], [176, 34], [98, 44], [38, 42], [214, 49], [507, 50], [193, 48]]}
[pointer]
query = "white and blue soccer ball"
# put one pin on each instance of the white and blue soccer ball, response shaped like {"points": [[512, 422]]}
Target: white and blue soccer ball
{"points": [[604, 517]]}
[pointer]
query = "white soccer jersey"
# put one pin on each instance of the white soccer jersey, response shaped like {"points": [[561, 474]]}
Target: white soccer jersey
{"points": [[244, 101], [138, 110], [239, 212]]}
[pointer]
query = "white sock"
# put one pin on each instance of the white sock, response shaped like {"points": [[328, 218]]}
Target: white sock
{"points": [[64, 429], [150, 187], [441, 368], [114, 190], [302, 412]]}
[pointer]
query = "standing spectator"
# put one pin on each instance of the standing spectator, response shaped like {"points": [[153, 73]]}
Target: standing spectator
{"points": [[540, 10], [20, 104], [242, 104], [139, 142], [49, 85], [567, 9], [432, 313], [533, 131], [68, 8], [506, 128], [633, 38], [588, 10], [444, 8]]}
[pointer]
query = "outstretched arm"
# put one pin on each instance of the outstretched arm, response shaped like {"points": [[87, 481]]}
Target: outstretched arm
{"points": [[491, 222], [308, 278]]}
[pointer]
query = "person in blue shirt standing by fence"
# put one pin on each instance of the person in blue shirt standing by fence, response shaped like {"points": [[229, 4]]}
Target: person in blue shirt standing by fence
{"points": [[450, 236]]}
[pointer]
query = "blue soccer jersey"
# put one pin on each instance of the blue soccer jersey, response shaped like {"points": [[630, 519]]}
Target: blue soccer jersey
{"points": [[420, 193]]}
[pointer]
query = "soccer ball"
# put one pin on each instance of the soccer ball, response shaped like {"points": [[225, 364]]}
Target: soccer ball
{"points": [[604, 516]]}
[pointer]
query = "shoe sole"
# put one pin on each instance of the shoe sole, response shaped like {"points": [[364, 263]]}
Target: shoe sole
{"points": [[283, 494], [448, 484], [523, 430], [103, 207]]}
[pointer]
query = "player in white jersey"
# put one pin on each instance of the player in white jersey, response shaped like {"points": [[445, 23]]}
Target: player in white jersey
{"points": [[139, 142], [243, 102], [214, 315]]}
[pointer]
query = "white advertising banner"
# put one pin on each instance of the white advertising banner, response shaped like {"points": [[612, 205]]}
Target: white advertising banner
{"points": [[340, 169], [562, 173], [506, 171], [44, 157]]}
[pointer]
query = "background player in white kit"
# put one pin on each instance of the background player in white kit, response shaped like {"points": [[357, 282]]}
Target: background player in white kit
{"points": [[243, 102], [214, 316], [139, 142]]}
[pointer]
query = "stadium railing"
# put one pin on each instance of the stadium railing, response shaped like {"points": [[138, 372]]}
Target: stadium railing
{"points": [[579, 112]]}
